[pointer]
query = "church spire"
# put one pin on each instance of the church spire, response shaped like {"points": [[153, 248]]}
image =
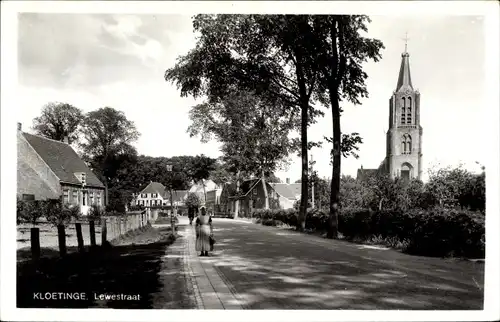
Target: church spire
{"points": [[404, 79]]}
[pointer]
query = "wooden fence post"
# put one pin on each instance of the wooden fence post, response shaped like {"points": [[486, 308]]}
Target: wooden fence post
{"points": [[61, 235], [104, 231], [79, 237], [35, 243], [92, 233]]}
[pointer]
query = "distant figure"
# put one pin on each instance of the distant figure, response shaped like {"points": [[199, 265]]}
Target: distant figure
{"points": [[204, 230], [191, 212]]}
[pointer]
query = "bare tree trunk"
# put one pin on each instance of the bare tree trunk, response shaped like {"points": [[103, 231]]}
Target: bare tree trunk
{"points": [[264, 187], [335, 184], [204, 191], [237, 201], [380, 204], [304, 106]]}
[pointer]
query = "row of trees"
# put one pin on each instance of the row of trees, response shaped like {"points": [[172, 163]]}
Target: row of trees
{"points": [[447, 188], [263, 77]]}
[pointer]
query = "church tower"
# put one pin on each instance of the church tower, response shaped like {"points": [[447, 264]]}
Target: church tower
{"points": [[404, 137]]}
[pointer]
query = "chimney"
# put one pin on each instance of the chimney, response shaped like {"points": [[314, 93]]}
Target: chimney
{"points": [[287, 180], [19, 126], [66, 140]]}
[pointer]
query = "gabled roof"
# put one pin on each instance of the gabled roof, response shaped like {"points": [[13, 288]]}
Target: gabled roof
{"points": [[285, 190], [177, 195], [62, 160], [154, 187]]}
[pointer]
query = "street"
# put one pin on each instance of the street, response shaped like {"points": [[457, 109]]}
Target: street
{"points": [[259, 267]]}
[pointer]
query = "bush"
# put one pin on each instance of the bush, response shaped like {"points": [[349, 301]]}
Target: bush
{"points": [[435, 232]]}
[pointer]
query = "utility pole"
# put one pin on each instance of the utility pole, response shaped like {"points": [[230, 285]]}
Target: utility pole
{"points": [[172, 222], [312, 181]]}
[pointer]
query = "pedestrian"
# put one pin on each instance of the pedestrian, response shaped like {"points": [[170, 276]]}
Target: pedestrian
{"points": [[191, 211], [204, 232]]}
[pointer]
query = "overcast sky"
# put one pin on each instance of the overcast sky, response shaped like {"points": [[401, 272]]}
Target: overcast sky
{"points": [[92, 61]]}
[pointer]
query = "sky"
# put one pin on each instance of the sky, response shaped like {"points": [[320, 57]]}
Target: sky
{"points": [[118, 60]]}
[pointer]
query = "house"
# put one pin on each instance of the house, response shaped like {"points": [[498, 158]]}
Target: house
{"points": [[213, 199], [49, 169], [156, 194], [202, 188], [251, 196]]}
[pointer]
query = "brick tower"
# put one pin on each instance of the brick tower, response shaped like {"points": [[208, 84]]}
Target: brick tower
{"points": [[404, 137]]}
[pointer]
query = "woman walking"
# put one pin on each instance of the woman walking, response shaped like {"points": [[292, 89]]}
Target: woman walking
{"points": [[204, 230]]}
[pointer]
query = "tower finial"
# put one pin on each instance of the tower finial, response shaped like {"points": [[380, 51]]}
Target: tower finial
{"points": [[406, 41]]}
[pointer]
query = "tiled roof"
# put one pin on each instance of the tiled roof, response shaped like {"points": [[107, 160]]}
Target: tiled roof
{"points": [[154, 187], [296, 188], [62, 160], [285, 190], [177, 195]]}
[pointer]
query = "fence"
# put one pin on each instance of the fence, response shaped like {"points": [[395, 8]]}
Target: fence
{"points": [[80, 233]]}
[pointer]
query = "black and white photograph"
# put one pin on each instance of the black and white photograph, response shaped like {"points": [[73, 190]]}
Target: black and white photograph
{"points": [[314, 160]]}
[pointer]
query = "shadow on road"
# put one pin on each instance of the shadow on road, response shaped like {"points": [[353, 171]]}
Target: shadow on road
{"points": [[278, 272]]}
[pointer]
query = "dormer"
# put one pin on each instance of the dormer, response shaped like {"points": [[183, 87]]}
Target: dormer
{"points": [[82, 177]]}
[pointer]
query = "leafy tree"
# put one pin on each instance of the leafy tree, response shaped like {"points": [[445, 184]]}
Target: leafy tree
{"points": [[29, 211], [266, 55], [108, 137], [192, 200], [57, 121], [200, 168], [456, 187], [342, 49]]}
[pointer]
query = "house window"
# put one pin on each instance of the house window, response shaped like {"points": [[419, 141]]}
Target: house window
{"points": [[75, 196], [154, 195], [98, 199], [144, 195], [66, 195], [28, 197], [84, 198], [92, 197]]}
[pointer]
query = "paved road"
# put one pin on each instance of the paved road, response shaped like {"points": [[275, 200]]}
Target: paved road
{"points": [[269, 268]]}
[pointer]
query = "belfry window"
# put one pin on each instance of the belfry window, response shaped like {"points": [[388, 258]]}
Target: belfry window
{"points": [[403, 110], [406, 144], [408, 111]]}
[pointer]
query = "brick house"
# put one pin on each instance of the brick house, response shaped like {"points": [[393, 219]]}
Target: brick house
{"points": [[49, 169], [251, 197]]}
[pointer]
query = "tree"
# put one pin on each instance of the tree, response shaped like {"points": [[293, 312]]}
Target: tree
{"points": [[342, 51], [108, 137], [58, 121], [254, 140], [192, 200], [266, 55], [199, 170]]}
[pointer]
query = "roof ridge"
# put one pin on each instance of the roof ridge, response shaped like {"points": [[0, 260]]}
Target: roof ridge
{"points": [[46, 138]]}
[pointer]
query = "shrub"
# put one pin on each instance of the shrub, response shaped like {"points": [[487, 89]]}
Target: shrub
{"points": [[434, 232], [29, 211]]}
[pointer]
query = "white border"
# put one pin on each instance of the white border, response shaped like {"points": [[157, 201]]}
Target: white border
{"points": [[8, 153]]}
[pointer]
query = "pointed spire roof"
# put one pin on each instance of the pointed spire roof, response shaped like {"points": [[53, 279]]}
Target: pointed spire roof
{"points": [[404, 79]]}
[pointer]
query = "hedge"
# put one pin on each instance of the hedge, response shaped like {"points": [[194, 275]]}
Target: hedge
{"points": [[436, 232]]}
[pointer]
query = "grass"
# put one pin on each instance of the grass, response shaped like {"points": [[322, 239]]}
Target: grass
{"points": [[129, 265]]}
